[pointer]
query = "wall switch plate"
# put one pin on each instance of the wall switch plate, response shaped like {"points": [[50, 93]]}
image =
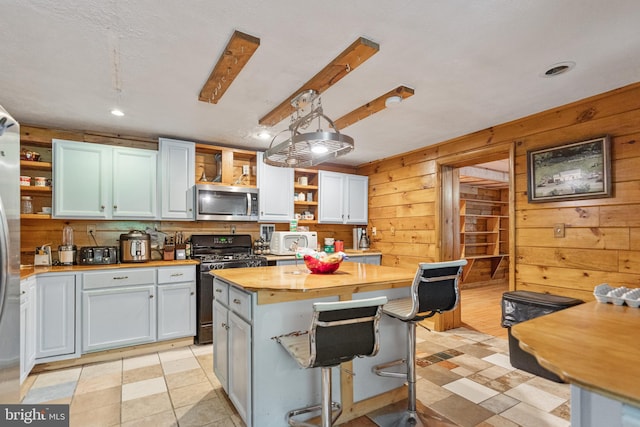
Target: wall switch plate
{"points": [[558, 231]]}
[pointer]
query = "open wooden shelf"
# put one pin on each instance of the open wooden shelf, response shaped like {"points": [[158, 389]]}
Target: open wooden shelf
{"points": [[29, 164]]}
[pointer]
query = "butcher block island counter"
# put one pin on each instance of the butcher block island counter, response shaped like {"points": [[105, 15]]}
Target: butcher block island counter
{"points": [[594, 347], [254, 305]]}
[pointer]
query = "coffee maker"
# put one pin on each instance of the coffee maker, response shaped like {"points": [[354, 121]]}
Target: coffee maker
{"points": [[67, 251]]}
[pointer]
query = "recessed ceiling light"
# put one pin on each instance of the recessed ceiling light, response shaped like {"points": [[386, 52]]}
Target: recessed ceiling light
{"points": [[117, 112], [559, 68], [264, 135]]}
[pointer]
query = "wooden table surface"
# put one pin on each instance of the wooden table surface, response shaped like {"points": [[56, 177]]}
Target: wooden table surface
{"points": [[292, 278], [593, 345]]}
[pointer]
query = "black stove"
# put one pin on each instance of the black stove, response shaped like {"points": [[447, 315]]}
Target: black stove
{"points": [[217, 252]]}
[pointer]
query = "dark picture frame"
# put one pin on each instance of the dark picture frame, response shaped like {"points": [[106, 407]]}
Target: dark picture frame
{"points": [[573, 171]]}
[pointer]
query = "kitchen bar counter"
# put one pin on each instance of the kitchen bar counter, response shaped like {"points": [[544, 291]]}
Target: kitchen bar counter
{"points": [[30, 270], [253, 305], [348, 252], [593, 346]]}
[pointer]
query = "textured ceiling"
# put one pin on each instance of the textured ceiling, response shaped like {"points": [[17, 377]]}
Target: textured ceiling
{"points": [[473, 64]]}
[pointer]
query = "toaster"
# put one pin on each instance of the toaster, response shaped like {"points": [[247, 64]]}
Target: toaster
{"points": [[91, 255]]}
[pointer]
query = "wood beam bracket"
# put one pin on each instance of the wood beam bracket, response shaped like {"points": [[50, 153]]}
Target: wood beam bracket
{"points": [[233, 59], [350, 59]]}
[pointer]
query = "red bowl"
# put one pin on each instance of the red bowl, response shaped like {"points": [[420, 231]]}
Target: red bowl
{"points": [[318, 267]]}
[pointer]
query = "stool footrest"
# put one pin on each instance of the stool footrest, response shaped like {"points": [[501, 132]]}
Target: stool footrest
{"points": [[379, 369], [336, 411]]}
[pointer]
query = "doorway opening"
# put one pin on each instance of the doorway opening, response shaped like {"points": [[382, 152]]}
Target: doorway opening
{"points": [[477, 224]]}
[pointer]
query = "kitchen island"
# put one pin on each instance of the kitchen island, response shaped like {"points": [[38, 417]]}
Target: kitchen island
{"points": [[254, 305], [594, 347]]}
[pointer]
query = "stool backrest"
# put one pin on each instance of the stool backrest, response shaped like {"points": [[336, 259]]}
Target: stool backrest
{"points": [[435, 287], [343, 330]]}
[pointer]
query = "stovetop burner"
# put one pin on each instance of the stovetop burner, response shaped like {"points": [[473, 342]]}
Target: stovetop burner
{"points": [[218, 251]]}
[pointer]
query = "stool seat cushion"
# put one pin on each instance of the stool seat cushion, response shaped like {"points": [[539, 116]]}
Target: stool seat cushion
{"points": [[399, 308], [298, 347]]}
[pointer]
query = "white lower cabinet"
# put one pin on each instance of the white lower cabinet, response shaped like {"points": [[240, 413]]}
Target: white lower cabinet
{"points": [[27, 326], [118, 308], [129, 306], [232, 345], [118, 317], [55, 315], [176, 310]]}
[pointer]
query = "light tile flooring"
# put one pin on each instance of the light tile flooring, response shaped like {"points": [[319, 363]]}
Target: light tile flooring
{"points": [[464, 375]]}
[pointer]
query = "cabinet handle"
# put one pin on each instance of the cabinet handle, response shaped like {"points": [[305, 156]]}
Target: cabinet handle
{"points": [[177, 274], [192, 293], [190, 210], [120, 277], [236, 301], [219, 291], [23, 292], [224, 325], [150, 296], [101, 207], [115, 206]]}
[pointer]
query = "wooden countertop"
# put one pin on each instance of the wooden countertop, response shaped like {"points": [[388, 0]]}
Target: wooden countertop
{"points": [[296, 281], [26, 271], [592, 345]]}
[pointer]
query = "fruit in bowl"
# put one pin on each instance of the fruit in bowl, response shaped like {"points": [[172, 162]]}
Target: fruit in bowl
{"points": [[324, 264]]}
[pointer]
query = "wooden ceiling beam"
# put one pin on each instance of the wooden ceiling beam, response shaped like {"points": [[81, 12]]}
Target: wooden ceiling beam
{"points": [[372, 107], [350, 59], [234, 57]]}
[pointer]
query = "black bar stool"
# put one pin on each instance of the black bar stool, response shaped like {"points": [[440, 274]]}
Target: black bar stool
{"points": [[434, 290], [339, 332]]}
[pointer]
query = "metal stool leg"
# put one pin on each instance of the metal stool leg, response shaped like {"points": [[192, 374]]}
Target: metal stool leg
{"points": [[410, 416], [329, 411]]}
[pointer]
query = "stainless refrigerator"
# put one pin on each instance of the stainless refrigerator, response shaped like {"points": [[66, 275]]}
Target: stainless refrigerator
{"points": [[9, 259]]}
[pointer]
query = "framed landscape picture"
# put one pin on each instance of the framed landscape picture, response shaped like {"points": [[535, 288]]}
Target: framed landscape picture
{"points": [[579, 170]]}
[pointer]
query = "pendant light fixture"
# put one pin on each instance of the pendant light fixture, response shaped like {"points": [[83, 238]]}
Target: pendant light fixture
{"points": [[306, 149]]}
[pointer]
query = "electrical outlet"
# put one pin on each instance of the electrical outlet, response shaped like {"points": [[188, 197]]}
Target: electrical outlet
{"points": [[373, 231], [558, 231], [393, 231], [91, 229], [233, 229]]}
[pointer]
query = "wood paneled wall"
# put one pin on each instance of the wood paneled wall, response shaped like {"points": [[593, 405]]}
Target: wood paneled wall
{"points": [[36, 232], [602, 242]]}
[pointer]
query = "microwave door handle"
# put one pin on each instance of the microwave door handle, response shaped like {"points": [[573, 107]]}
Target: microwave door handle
{"points": [[249, 207]]}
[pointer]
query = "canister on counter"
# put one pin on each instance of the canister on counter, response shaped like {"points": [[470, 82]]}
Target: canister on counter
{"points": [[338, 245]]}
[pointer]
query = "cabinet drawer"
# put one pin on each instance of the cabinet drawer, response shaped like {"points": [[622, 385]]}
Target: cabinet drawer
{"points": [[119, 277], [240, 302], [177, 274], [220, 291]]}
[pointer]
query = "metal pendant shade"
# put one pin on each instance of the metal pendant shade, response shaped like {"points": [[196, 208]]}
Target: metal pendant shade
{"points": [[300, 149]]}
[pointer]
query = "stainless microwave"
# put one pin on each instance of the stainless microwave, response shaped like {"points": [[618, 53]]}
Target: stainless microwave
{"points": [[226, 203]]}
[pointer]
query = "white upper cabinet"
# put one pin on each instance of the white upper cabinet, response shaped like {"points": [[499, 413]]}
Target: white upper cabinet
{"points": [[81, 180], [134, 183], [275, 186], [176, 174], [342, 198], [103, 182]]}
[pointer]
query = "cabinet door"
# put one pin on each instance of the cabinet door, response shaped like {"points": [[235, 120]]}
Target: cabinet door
{"points": [[56, 313], [81, 177], [118, 317], [221, 344], [27, 327], [330, 197], [276, 192], [176, 310], [177, 179], [134, 183], [240, 367], [356, 199]]}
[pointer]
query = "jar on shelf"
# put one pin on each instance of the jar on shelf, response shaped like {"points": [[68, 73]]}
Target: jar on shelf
{"points": [[26, 205]]}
